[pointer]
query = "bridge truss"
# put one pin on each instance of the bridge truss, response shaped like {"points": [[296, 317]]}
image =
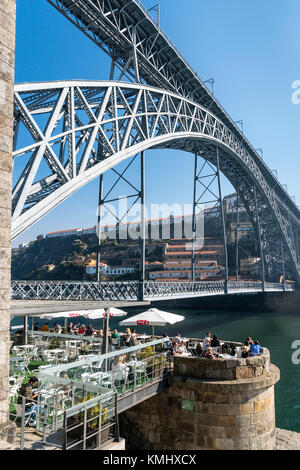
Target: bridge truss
{"points": [[77, 130]]}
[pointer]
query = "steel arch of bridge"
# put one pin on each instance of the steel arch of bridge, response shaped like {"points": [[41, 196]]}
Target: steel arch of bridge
{"points": [[93, 126]]}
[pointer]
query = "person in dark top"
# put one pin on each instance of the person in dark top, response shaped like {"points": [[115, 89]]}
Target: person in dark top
{"points": [[245, 352], [26, 390], [36, 326], [174, 348], [89, 331], [248, 341], [167, 343], [215, 342], [199, 350]]}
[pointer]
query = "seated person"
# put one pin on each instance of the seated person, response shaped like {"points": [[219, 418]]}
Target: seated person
{"points": [[256, 349], [57, 328], [71, 330], [133, 333], [245, 352], [199, 349], [215, 342], [119, 364], [64, 388], [168, 342], [127, 336], [174, 349], [81, 330], [89, 331], [181, 348], [115, 335], [46, 327], [26, 391], [177, 338], [248, 341], [209, 353], [100, 334], [36, 326], [207, 341]]}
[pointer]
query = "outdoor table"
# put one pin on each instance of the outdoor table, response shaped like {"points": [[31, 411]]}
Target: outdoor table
{"points": [[227, 356], [53, 353], [26, 347], [99, 377]]}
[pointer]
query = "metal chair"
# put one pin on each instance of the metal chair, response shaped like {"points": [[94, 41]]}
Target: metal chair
{"points": [[18, 414]]}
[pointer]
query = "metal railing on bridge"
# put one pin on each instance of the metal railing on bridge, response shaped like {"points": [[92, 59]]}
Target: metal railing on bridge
{"points": [[134, 290]]}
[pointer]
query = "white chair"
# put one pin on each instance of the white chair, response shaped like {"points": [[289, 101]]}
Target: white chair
{"points": [[14, 385], [18, 414], [18, 367]]}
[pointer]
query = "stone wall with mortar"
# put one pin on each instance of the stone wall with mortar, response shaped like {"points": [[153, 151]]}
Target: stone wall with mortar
{"points": [[222, 414], [7, 59]]}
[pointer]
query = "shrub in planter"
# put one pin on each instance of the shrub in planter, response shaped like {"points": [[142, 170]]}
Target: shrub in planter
{"points": [[54, 343], [92, 424]]}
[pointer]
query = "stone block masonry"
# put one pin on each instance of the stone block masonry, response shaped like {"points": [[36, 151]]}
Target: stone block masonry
{"points": [[7, 59], [205, 411]]}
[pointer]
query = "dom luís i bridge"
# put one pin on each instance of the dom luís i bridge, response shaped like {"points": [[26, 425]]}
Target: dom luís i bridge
{"points": [[78, 130]]}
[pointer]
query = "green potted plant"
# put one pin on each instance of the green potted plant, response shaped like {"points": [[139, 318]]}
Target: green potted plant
{"points": [[77, 422]]}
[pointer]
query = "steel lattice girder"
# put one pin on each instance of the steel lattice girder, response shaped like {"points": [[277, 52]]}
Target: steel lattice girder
{"points": [[127, 32], [124, 119]]}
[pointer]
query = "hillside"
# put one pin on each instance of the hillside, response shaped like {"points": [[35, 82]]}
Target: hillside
{"points": [[65, 258]]}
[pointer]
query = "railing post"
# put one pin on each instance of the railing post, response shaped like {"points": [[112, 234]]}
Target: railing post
{"points": [[262, 264], [65, 432], [22, 423], [117, 428], [283, 268], [45, 424]]}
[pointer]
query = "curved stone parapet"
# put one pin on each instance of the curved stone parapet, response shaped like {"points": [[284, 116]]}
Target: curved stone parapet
{"points": [[223, 369]]}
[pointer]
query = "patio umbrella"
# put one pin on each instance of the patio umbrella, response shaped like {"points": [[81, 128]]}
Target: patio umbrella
{"points": [[53, 316], [153, 317], [100, 313]]}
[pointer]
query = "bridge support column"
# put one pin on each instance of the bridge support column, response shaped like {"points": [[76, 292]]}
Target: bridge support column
{"points": [[223, 224], [283, 266], [237, 238], [142, 229], [7, 57], [262, 264]]}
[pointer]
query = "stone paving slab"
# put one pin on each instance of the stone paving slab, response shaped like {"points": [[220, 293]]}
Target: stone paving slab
{"points": [[287, 440]]}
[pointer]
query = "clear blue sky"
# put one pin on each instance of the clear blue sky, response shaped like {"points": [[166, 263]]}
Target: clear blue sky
{"points": [[250, 47]]}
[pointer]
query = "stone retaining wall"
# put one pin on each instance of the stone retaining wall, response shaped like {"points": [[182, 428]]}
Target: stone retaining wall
{"points": [[7, 56]]}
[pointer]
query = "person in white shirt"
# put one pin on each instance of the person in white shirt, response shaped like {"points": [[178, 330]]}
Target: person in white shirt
{"points": [[57, 328], [207, 341], [181, 348]]}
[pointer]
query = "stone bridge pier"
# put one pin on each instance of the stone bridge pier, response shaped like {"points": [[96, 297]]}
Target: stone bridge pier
{"points": [[7, 59], [209, 405]]}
